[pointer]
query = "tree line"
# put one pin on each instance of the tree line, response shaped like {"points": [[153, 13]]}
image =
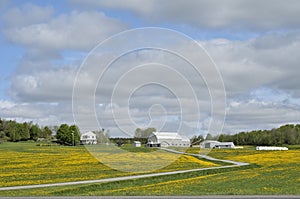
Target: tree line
{"points": [[13, 131], [286, 134], [140, 135]]}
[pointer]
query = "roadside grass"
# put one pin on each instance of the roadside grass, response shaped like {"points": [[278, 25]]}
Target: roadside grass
{"points": [[28, 164]]}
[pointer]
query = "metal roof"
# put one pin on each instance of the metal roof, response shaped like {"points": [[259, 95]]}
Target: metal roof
{"points": [[170, 135]]}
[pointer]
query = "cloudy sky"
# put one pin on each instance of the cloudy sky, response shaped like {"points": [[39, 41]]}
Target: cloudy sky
{"points": [[52, 64]]}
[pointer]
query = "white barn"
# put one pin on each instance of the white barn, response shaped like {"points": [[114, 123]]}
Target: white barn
{"points": [[167, 139], [216, 144], [271, 148], [88, 138]]}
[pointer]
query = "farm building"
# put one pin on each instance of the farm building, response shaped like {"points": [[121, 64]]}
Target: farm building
{"points": [[166, 139], [271, 148], [88, 138], [209, 144], [137, 144]]}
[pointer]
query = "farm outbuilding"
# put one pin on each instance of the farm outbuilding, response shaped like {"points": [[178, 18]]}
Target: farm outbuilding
{"points": [[167, 139], [88, 138], [271, 148], [137, 144], [209, 144]]}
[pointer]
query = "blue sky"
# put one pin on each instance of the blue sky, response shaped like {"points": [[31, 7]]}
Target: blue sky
{"points": [[43, 44]]}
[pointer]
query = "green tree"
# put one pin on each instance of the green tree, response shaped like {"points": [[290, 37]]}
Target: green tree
{"points": [[143, 133], [35, 132], [196, 139], [62, 134], [100, 136], [209, 137], [12, 131], [66, 133], [24, 131], [75, 134], [46, 133], [138, 133]]}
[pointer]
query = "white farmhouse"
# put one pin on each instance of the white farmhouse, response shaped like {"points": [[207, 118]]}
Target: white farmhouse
{"points": [[88, 138], [216, 144], [166, 139]]}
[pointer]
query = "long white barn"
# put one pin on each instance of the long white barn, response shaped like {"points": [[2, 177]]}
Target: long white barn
{"points": [[216, 144], [167, 139], [271, 148]]}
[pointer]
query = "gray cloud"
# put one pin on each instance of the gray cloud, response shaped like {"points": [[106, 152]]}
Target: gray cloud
{"points": [[41, 113], [229, 14], [41, 89], [252, 114], [45, 86], [27, 15], [244, 66]]}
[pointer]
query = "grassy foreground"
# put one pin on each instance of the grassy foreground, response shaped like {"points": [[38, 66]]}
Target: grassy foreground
{"points": [[271, 172]]}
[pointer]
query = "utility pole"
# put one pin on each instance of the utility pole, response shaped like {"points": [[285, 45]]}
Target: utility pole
{"points": [[73, 141]]}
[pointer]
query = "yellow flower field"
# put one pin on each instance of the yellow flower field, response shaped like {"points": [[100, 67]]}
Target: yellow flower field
{"points": [[24, 164], [270, 172], [157, 160], [277, 172]]}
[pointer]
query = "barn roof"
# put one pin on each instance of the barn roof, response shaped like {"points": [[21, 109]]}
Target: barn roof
{"points": [[210, 141], [225, 143], [170, 135], [216, 142]]}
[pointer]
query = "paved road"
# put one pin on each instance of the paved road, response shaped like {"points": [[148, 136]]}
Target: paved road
{"points": [[235, 164]]}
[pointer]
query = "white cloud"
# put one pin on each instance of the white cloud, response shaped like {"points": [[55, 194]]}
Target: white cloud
{"points": [[74, 31], [4, 104]]}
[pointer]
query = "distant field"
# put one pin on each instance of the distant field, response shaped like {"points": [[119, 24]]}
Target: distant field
{"points": [[271, 172]]}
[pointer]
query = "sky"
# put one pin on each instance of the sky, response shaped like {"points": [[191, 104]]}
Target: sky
{"points": [[194, 66]]}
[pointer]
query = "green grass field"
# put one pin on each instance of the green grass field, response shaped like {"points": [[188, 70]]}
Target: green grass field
{"points": [[270, 172]]}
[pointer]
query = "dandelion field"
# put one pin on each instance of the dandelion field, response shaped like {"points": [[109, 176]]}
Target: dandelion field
{"points": [[28, 164], [270, 173]]}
